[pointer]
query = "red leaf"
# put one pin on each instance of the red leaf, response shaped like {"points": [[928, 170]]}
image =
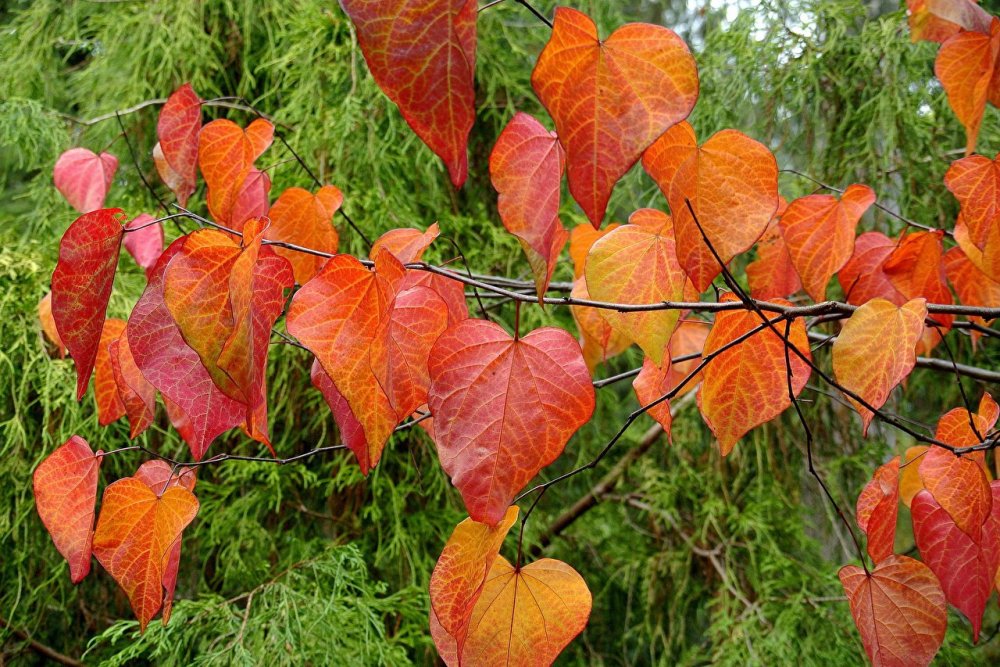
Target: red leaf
{"points": [[535, 389], [611, 98], [974, 288], [302, 218], [226, 154], [966, 566], [899, 610], [875, 351], [937, 20], [731, 182], [109, 404], [863, 277], [747, 385], [876, 510], [65, 487], [772, 275], [84, 178], [654, 381], [423, 57], [81, 286], [251, 199], [175, 369], [352, 433], [819, 233], [177, 130], [135, 534], [144, 241], [526, 168], [137, 395]]}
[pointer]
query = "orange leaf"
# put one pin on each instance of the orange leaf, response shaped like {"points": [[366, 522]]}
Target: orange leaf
{"points": [[610, 99], [965, 566], [772, 274], [81, 286], [937, 20], [732, 184], [899, 610], [490, 395], [406, 244], [84, 178], [302, 218], [598, 340], [251, 199], [525, 616], [65, 487], [965, 66], [138, 396], [637, 264], [49, 324], [910, 483], [863, 277], [177, 130], [423, 57], [876, 510], [109, 404], [974, 288], [135, 532], [665, 156], [581, 239], [975, 182], [747, 385], [526, 168], [339, 315], [460, 572], [352, 433], [875, 351], [654, 381], [225, 154], [819, 233]]}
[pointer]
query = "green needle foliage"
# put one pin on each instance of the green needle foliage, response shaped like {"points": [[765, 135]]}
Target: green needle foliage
{"points": [[692, 559]]}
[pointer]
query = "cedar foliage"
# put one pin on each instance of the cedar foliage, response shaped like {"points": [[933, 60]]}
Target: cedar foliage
{"points": [[701, 560]]}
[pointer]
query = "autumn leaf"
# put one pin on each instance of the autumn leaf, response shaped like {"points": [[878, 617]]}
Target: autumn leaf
{"points": [[525, 616], [175, 369], [863, 277], [581, 240], [772, 274], [48, 324], [975, 182], [177, 130], [144, 240], [137, 395], [875, 351], [251, 199], [599, 341], [818, 231], [974, 288], [81, 286], [965, 66], [611, 98], [84, 178], [433, 87], [876, 510], [916, 269], [109, 404], [965, 566], [534, 389], [899, 610], [136, 531], [747, 385], [304, 219], [731, 182], [637, 264], [460, 572], [226, 154], [654, 381], [352, 433], [937, 20], [65, 489], [526, 168]]}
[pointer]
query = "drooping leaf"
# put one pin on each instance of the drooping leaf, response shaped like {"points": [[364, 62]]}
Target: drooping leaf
{"points": [[144, 241], [581, 240], [772, 274], [109, 404], [199, 409], [226, 154], [899, 610], [535, 389], [302, 218], [137, 395], [746, 385], [974, 288], [965, 566], [863, 277], [598, 339], [910, 483], [916, 269], [423, 57], [251, 199], [352, 433], [731, 182], [84, 178], [177, 130], [525, 616], [875, 351], [876, 510], [526, 168], [65, 489], [48, 324], [937, 20], [135, 534], [460, 572], [975, 182], [958, 483], [819, 234], [611, 98], [637, 264], [965, 67], [81, 286]]}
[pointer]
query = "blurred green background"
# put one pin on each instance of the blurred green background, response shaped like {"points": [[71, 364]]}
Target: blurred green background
{"points": [[692, 559]]}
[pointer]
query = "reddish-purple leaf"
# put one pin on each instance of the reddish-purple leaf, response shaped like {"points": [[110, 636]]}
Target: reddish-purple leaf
{"points": [[84, 178], [876, 510], [144, 241], [177, 129]]}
